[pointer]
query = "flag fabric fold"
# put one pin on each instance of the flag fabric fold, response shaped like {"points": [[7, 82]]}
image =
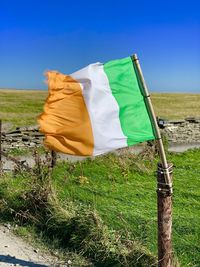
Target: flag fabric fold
{"points": [[95, 110]]}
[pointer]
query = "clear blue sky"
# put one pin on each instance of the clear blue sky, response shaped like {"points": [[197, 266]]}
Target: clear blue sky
{"points": [[36, 36]]}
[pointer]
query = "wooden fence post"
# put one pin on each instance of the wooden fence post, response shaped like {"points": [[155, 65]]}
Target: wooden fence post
{"points": [[53, 159], [164, 214]]}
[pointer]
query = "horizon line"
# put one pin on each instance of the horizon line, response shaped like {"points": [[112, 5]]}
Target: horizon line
{"points": [[164, 92]]}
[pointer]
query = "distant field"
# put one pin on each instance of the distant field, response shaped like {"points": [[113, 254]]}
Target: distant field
{"points": [[21, 107], [176, 106]]}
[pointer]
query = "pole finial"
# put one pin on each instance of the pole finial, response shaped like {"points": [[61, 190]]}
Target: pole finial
{"points": [[134, 57]]}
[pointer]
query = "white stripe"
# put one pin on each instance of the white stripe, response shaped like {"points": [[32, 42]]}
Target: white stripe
{"points": [[102, 107]]}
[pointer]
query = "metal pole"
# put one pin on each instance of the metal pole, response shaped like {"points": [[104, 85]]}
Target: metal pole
{"points": [[153, 117], [164, 182]]}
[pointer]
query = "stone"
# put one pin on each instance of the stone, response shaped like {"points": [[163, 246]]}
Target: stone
{"points": [[32, 144], [192, 119], [176, 121], [26, 138]]}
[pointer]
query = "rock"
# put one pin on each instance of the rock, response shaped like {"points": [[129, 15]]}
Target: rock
{"points": [[193, 119], [6, 126], [176, 121], [32, 144], [7, 225], [26, 138]]}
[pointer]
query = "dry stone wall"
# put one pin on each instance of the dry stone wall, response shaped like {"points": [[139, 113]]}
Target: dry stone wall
{"points": [[22, 137], [178, 131], [182, 131]]}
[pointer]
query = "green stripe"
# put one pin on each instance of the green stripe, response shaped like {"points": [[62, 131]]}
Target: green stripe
{"points": [[134, 117]]}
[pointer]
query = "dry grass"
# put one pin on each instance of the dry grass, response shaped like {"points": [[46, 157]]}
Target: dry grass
{"points": [[176, 106], [21, 107]]}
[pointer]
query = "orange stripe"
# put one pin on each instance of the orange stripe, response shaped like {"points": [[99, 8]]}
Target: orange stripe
{"points": [[65, 120]]}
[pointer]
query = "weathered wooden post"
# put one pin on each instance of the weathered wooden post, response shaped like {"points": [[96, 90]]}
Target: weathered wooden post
{"points": [[164, 182], [164, 207], [53, 159]]}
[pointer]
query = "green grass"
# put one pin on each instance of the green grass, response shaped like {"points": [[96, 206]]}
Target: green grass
{"points": [[66, 224], [122, 191], [21, 107], [124, 195], [17, 152]]}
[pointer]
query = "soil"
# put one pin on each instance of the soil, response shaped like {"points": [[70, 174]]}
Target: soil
{"points": [[16, 252]]}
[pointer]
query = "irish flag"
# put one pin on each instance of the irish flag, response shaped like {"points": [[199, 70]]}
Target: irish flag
{"points": [[95, 110]]}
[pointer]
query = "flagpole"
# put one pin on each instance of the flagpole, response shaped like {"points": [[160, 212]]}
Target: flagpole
{"points": [[164, 181]]}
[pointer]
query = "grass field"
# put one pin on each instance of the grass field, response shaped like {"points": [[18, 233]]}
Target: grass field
{"points": [[176, 106], [21, 107], [123, 196], [27, 105]]}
